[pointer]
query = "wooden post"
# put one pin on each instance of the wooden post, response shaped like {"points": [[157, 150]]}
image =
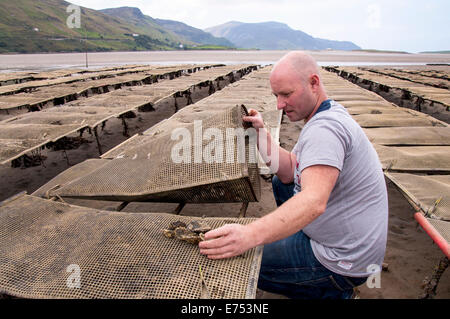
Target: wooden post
{"points": [[177, 210], [99, 146], [212, 89], [66, 157], [176, 104], [188, 98], [125, 127], [243, 210], [430, 285], [122, 206]]}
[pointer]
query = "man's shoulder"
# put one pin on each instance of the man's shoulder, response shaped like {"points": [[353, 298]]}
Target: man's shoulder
{"points": [[335, 111], [334, 119], [337, 117]]}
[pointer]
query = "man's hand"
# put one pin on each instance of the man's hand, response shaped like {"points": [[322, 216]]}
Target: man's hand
{"points": [[227, 241], [255, 118]]}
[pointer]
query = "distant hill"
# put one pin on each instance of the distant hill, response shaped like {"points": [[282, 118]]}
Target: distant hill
{"points": [[274, 36], [189, 34], [137, 19], [437, 52], [40, 26], [193, 34], [382, 51]]}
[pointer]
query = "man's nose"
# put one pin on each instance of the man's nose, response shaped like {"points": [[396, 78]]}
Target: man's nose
{"points": [[281, 103]]}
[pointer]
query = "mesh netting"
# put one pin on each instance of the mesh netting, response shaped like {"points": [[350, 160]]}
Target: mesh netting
{"points": [[90, 115], [15, 76], [134, 141], [69, 175], [442, 227], [11, 102], [389, 120], [89, 110], [356, 110], [369, 105], [118, 255], [35, 131], [149, 172], [415, 158], [430, 192], [414, 136], [113, 100], [400, 74], [342, 98], [81, 82], [13, 147], [18, 139], [48, 90], [427, 92], [57, 118]]}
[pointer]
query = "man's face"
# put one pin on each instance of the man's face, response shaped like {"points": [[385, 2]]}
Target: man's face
{"points": [[293, 94]]}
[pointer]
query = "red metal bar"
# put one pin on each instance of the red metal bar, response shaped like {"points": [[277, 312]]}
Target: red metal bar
{"points": [[433, 233]]}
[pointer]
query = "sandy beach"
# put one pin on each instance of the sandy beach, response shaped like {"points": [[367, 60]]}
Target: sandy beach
{"points": [[36, 62]]}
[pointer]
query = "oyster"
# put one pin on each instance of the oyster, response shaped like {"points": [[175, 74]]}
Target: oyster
{"points": [[186, 235], [193, 232], [176, 224], [198, 226]]}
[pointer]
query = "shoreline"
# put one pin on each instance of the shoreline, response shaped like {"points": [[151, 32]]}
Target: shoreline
{"points": [[49, 61]]}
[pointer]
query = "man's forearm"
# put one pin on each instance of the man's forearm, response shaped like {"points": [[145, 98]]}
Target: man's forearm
{"points": [[286, 220], [277, 158], [300, 210]]}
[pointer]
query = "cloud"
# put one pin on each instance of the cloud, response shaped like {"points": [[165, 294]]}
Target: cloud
{"points": [[374, 16]]}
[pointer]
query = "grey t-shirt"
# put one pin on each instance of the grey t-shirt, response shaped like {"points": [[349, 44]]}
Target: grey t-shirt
{"points": [[350, 236]]}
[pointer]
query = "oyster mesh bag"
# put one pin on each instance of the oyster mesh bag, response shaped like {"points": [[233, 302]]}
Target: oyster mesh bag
{"points": [[55, 250], [206, 161]]}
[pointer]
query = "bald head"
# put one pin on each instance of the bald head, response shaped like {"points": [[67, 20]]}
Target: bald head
{"points": [[302, 63], [295, 81]]}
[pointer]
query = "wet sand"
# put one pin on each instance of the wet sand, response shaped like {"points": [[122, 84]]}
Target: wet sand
{"points": [[35, 62]]}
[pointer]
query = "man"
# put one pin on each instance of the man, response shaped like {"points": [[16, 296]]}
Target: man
{"points": [[330, 228]]}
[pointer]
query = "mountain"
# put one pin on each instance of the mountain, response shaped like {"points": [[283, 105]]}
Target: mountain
{"points": [[193, 34], [187, 33], [274, 36], [437, 52], [135, 17], [40, 26]]}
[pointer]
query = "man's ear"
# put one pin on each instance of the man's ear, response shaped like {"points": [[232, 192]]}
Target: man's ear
{"points": [[314, 81]]}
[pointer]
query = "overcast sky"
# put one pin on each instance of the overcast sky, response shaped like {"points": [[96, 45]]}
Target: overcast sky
{"points": [[404, 25]]}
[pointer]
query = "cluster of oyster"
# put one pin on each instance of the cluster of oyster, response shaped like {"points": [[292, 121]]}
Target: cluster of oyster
{"points": [[193, 232]]}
